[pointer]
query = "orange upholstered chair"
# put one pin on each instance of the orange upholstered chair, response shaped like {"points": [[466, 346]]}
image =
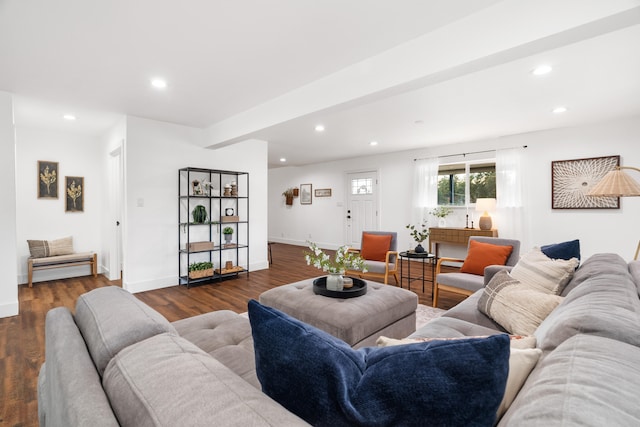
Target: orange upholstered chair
{"points": [[483, 251], [379, 250]]}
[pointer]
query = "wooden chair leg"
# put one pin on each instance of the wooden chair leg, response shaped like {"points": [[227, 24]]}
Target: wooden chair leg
{"points": [[30, 272], [435, 296], [94, 265]]}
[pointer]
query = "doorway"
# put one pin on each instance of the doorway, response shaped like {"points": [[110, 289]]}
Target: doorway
{"points": [[116, 194], [362, 205]]}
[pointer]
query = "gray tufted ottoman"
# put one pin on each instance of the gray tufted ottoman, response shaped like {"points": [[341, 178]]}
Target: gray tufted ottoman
{"points": [[383, 310]]}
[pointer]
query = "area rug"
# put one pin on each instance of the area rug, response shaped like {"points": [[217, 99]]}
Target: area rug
{"points": [[424, 314]]}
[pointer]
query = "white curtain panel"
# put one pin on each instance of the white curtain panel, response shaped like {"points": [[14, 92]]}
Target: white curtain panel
{"points": [[510, 218], [425, 189]]}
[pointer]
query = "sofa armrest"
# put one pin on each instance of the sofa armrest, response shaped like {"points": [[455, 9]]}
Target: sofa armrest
{"points": [[491, 271]]}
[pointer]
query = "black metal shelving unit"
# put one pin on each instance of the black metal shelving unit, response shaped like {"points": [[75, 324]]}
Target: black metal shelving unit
{"points": [[204, 242]]}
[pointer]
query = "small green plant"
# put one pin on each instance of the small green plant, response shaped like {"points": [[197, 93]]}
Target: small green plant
{"points": [[199, 214], [441, 211], [198, 266], [227, 230], [418, 235], [288, 192]]}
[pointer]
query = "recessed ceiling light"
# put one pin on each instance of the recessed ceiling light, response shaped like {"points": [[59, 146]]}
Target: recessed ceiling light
{"points": [[159, 83], [559, 110], [69, 117], [373, 143], [319, 128], [282, 159], [541, 70]]}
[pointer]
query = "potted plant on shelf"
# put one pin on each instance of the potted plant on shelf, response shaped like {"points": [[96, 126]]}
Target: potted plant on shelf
{"points": [[288, 195], [441, 212], [228, 234], [198, 270], [343, 261], [199, 214], [419, 236]]}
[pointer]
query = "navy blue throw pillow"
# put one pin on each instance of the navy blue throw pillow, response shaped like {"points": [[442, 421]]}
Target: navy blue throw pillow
{"points": [[564, 250], [324, 381]]}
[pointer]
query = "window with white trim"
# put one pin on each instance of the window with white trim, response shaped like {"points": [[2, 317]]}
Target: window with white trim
{"points": [[459, 182]]}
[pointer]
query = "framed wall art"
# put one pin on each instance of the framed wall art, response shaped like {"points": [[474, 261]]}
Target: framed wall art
{"points": [[305, 194], [322, 192], [571, 180], [47, 179], [74, 191]]}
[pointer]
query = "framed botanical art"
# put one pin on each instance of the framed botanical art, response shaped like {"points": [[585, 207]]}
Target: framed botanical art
{"points": [[571, 181], [47, 180], [305, 194], [322, 192], [74, 191]]}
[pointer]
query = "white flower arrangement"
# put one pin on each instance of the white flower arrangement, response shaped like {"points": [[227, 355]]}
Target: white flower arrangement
{"points": [[344, 260]]}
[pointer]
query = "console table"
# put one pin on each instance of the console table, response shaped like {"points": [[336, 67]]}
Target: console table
{"points": [[455, 236]]}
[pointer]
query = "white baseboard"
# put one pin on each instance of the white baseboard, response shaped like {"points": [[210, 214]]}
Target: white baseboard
{"points": [[10, 309]]}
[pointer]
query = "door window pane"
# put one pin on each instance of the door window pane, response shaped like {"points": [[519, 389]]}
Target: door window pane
{"points": [[362, 186]]}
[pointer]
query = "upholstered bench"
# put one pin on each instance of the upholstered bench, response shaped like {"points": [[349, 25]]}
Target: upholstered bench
{"points": [[383, 310], [71, 260]]}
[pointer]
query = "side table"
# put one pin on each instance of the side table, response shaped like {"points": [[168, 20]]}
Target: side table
{"points": [[409, 255]]}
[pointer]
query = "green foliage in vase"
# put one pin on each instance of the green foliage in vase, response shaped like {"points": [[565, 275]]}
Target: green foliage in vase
{"points": [[441, 211], [418, 235], [343, 261], [227, 230]]}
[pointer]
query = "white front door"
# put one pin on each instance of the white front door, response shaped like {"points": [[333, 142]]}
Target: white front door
{"points": [[362, 205]]}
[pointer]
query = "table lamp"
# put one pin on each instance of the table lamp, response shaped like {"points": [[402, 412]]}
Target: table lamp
{"points": [[616, 183], [485, 206]]}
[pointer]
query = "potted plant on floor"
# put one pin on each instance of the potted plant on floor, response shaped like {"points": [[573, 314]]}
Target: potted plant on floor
{"points": [[419, 236], [228, 234]]}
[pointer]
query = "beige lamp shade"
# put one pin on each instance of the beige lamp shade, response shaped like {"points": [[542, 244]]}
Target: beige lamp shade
{"points": [[485, 206], [617, 184]]}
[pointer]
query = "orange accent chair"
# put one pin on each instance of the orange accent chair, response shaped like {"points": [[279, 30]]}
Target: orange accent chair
{"points": [[379, 250]]}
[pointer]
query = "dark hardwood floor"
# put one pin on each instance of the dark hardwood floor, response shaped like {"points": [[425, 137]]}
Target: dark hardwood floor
{"points": [[22, 336]]}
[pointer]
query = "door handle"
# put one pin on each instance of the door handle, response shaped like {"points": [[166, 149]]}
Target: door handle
{"points": [[348, 216]]}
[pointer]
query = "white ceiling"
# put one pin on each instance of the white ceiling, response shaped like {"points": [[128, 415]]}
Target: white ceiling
{"points": [[222, 58]]}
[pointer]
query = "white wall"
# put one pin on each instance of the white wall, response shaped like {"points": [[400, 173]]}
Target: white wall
{"points": [[599, 230], [8, 251], [154, 152], [46, 219]]}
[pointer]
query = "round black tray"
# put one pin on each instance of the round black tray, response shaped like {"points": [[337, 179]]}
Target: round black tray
{"points": [[359, 288]]}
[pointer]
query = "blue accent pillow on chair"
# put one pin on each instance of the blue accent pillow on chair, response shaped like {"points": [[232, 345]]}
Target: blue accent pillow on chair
{"points": [[564, 250], [324, 381]]}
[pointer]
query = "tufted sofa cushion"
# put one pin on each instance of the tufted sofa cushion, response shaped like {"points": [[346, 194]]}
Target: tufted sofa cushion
{"points": [[226, 336]]}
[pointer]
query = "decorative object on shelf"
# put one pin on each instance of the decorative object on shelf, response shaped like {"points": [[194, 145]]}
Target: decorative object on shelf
{"points": [[343, 260], [198, 270], [441, 212], [288, 195], [296, 191], [229, 212], [419, 236], [200, 246], [74, 186], [616, 183], [305, 194], [227, 190], [485, 205], [228, 234], [196, 188], [234, 189], [199, 214], [323, 192], [573, 180], [47, 180]]}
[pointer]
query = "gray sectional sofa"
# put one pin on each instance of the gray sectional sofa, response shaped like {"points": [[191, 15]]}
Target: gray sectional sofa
{"points": [[118, 362]]}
